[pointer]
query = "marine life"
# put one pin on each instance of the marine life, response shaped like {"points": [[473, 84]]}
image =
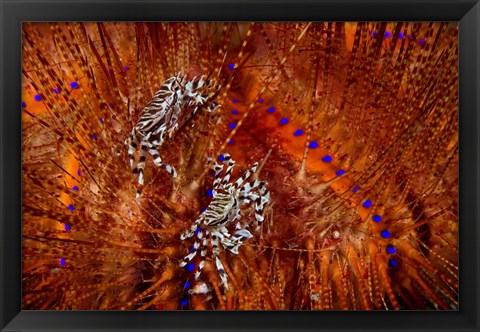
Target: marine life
{"points": [[345, 141], [225, 210], [161, 116]]}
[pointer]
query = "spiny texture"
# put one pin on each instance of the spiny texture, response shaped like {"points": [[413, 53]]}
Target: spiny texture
{"points": [[354, 127]]}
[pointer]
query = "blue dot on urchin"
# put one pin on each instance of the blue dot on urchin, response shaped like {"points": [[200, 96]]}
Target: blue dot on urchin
{"points": [[190, 267], [283, 121], [186, 285], [385, 234], [327, 159], [392, 263], [75, 188], [367, 203], [210, 193], [74, 85], [232, 125], [56, 91], [340, 172], [62, 261], [387, 34], [184, 302], [377, 218], [67, 227], [23, 104], [235, 112], [313, 145], [37, 97], [231, 66], [298, 132], [391, 250], [70, 207], [271, 109], [230, 142]]}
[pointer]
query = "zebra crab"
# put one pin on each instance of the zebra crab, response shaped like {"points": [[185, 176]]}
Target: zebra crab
{"points": [[229, 200], [160, 118]]}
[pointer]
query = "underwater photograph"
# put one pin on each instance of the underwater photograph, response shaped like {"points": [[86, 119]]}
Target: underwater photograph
{"points": [[240, 166]]}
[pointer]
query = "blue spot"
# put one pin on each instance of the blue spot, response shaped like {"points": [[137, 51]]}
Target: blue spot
{"points": [[234, 112], [110, 105], [367, 203], [298, 132], [70, 207], [203, 210], [327, 159], [373, 34], [62, 261], [191, 249], [128, 212], [94, 136], [284, 121], [101, 120], [392, 263], [355, 189], [197, 230], [232, 125], [387, 34], [391, 250], [260, 100], [187, 284], [235, 100], [126, 67], [340, 172], [377, 218], [56, 90], [271, 110], [385, 234], [24, 105], [184, 302], [37, 98], [230, 141], [401, 35], [75, 188], [190, 267], [74, 85], [210, 193], [422, 41], [221, 158], [67, 227], [313, 145], [231, 66], [79, 172]]}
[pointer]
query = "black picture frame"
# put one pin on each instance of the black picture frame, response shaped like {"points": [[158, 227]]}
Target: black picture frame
{"points": [[13, 12]]}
